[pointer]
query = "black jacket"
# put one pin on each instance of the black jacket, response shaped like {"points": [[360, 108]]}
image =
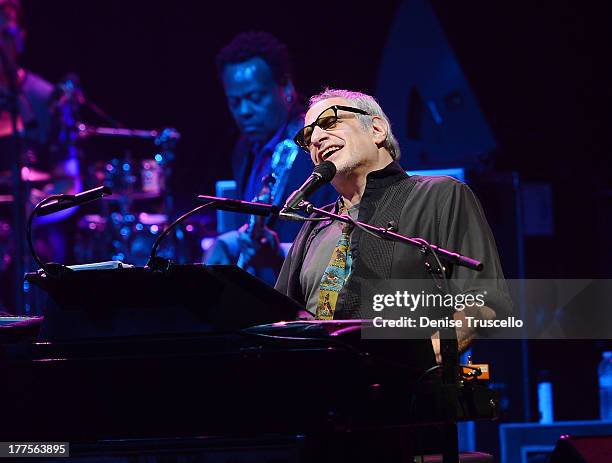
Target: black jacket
{"points": [[441, 210]]}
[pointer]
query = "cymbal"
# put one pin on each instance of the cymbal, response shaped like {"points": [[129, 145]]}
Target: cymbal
{"points": [[152, 219], [28, 174]]}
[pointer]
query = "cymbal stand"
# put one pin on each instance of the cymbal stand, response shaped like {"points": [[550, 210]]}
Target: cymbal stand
{"points": [[19, 193]]}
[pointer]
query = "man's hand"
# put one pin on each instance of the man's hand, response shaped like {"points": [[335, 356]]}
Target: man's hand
{"points": [[465, 334], [259, 251]]}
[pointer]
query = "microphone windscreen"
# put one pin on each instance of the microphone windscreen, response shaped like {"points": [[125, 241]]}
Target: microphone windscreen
{"points": [[326, 170]]}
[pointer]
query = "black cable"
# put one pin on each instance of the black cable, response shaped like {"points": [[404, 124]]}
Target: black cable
{"points": [[297, 217], [431, 251], [356, 223], [314, 219], [477, 372], [427, 373]]}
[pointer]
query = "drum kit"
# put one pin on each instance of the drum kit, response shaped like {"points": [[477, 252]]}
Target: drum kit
{"points": [[126, 224], [122, 226]]}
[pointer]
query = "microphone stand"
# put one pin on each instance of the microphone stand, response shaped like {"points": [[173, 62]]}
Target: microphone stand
{"points": [[445, 255], [449, 348], [56, 203], [46, 268]]}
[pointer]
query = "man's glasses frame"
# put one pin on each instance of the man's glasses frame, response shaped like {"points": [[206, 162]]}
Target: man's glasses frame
{"points": [[302, 138]]}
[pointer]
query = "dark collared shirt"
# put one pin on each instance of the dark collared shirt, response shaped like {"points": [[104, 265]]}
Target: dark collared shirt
{"points": [[441, 210]]}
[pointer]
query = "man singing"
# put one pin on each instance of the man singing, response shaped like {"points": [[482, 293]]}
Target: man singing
{"points": [[330, 263]]}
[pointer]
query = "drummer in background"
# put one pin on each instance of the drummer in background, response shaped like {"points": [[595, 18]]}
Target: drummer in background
{"points": [[53, 167], [256, 73], [34, 93], [47, 167]]}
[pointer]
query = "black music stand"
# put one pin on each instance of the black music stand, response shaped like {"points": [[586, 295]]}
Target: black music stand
{"points": [[139, 301]]}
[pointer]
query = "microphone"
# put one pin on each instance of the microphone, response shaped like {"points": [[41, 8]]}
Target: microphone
{"points": [[321, 175], [236, 205], [74, 200]]}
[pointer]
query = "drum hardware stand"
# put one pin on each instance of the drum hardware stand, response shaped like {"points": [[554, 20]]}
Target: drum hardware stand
{"points": [[166, 140], [19, 190]]}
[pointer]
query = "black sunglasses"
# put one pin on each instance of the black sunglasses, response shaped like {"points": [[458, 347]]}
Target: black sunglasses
{"points": [[326, 120]]}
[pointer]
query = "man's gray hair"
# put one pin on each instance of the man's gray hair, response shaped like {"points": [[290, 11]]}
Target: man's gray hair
{"points": [[368, 104]]}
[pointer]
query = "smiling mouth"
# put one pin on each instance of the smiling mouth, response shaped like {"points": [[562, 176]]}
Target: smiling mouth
{"points": [[329, 151]]}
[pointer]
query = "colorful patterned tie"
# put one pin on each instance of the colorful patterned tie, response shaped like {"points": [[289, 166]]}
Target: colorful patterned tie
{"points": [[335, 275]]}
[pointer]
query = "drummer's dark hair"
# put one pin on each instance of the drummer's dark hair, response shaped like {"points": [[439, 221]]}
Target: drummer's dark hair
{"points": [[264, 45]]}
